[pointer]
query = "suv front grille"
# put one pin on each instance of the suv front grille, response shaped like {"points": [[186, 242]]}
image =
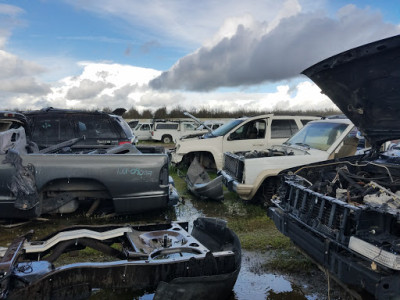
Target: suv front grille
{"points": [[325, 214], [233, 165]]}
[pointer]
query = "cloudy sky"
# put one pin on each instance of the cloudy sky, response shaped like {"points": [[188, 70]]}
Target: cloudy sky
{"points": [[225, 54]]}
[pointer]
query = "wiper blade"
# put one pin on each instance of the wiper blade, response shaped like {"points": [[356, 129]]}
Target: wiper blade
{"points": [[303, 145]]}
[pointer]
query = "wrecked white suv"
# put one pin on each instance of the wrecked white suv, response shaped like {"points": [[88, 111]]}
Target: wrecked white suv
{"points": [[253, 174], [242, 134]]}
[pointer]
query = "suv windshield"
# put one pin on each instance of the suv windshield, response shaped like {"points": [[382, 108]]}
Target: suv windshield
{"points": [[224, 129], [318, 135]]}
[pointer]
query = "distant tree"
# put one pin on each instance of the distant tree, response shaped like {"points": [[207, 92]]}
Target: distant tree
{"points": [[147, 114], [177, 112], [132, 113], [107, 109], [161, 113]]}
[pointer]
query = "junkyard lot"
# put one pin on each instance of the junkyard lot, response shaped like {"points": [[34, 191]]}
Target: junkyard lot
{"points": [[265, 250]]}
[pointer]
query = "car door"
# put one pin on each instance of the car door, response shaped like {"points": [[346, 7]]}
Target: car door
{"points": [[280, 130], [251, 135], [143, 132]]}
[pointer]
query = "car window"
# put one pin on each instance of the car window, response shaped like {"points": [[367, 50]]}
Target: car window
{"points": [[224, 129], [249, 131], [188, 126], [283, 128], [167, 126], [55, 129], [145, 127], [318, 135], [95, 127]]}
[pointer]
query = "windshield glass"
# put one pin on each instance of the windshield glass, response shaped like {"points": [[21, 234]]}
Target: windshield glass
{"points": [[317, 135], [224, 129]]}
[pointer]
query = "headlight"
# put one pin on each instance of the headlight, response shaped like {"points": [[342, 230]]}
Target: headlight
{"points": [[374, 253]]}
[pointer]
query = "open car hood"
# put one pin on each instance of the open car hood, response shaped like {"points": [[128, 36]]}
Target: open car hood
{"points": [[197, 121], [364, 83]]}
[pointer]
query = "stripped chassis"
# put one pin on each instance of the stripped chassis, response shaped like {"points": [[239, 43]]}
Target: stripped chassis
{"points": [[144, 256]]}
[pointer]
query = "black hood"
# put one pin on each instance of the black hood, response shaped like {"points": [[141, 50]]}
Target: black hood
{"points": [[364, 83]]}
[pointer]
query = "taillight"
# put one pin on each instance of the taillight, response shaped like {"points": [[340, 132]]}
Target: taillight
{"points": [[164, 175], [124, 142], [152, 133]]}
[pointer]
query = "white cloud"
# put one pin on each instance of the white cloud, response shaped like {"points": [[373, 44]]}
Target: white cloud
{"points": [[258, 53], [8, 20], [13, 66], [87, 89], [17, 75], [187, 24]]}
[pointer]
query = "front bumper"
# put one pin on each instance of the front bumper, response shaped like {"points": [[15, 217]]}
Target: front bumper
{"points": [[244, 191], [346, 266], [175, 157]]}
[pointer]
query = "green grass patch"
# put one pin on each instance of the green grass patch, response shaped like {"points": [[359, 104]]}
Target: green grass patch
{"points": [[289, 260], [250, 222], [258, 233], [86, 255]]}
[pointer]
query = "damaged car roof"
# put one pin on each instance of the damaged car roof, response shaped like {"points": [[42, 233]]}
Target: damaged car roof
{"points": [[364, 83]]}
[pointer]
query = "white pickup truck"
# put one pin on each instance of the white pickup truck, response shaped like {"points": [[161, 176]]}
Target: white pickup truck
{"points": [[243, 134], [253, 175], [142, 131], [170, 131]]}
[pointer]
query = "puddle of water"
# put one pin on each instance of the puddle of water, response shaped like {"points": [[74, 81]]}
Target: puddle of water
{"points": [[251, 284]]}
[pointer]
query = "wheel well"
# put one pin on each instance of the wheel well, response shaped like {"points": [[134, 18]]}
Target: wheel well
{"points": [[205, 158], [73, 184], [61, 192], [266, 190]]}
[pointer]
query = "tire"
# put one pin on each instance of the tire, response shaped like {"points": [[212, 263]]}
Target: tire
{"points": [[167, 139], [265, 192]]}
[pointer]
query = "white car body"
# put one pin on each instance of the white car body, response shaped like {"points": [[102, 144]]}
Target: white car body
{"points": [[256, 170], [211, 147], [143, 131], [171, 131]]}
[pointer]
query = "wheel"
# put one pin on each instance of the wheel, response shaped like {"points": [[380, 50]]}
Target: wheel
{"points": [[167, 139], [267, 189]]}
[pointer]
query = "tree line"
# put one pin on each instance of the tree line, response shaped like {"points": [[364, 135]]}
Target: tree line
{"points": [[207, 113]]}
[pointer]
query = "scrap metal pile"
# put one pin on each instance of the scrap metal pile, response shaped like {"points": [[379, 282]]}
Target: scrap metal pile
{"points": [[164, 258], [366, 183]]}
